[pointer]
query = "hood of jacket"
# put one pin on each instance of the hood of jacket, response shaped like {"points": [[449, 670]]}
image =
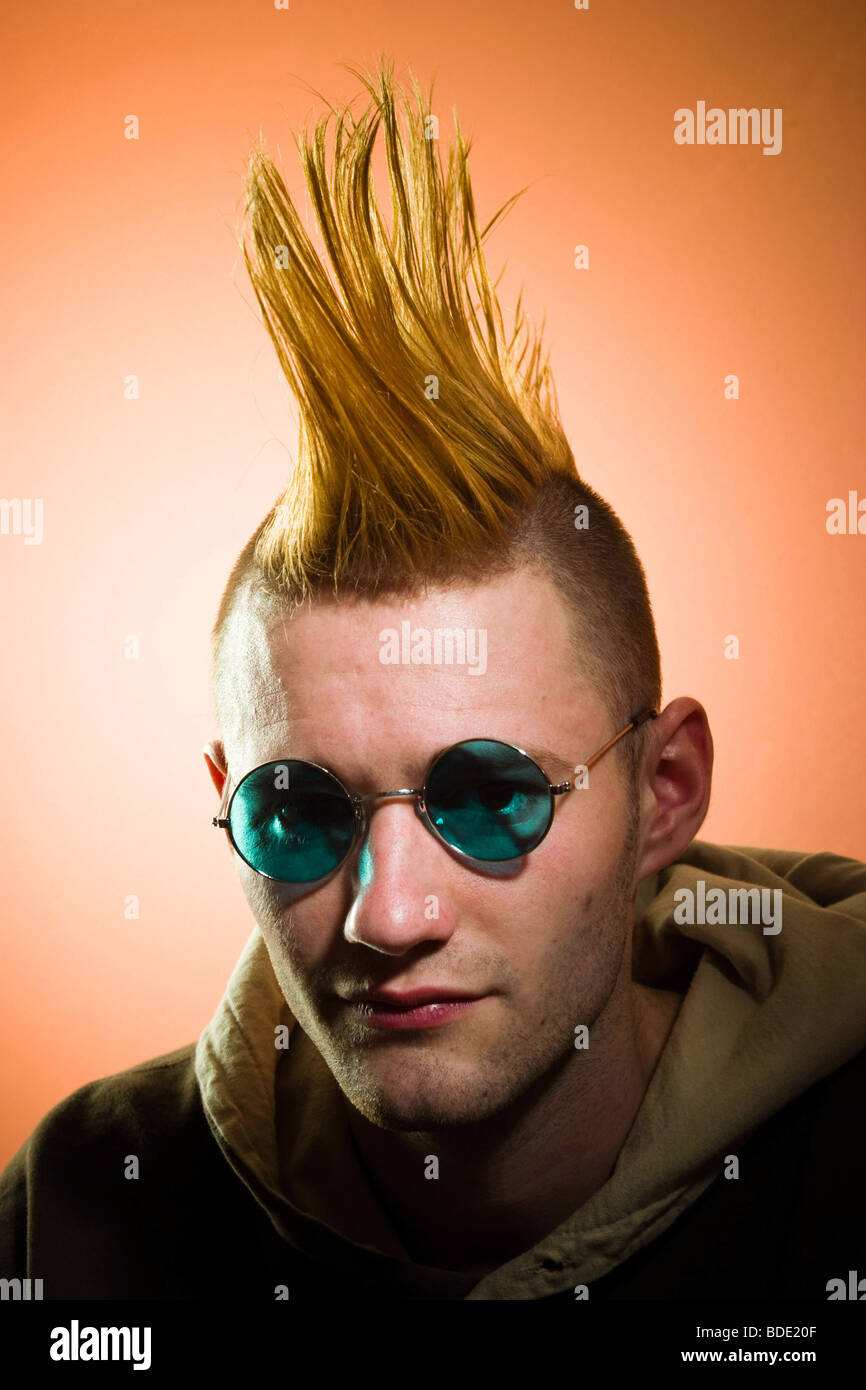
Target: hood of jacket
{"points": [[766, 1013]]}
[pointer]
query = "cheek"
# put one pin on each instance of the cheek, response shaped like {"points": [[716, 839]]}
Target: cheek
{"points": [[299, 927], [569, 872], [582, 852], [573, 913]]}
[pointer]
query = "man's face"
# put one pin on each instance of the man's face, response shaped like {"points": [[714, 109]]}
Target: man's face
{"points": [[543, 939]]}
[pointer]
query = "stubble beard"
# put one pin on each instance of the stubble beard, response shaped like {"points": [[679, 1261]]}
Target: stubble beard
{"points": [[443, 1086]]}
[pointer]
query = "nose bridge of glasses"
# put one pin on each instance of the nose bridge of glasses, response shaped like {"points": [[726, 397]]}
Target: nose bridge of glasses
{"points": [[364, 804], [400, 791]]}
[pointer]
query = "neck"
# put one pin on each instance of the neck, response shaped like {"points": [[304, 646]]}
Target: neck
{"points": [[505, 1184]]}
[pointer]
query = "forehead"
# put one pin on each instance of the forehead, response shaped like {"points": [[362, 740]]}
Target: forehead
{"points": [[396, 679]]}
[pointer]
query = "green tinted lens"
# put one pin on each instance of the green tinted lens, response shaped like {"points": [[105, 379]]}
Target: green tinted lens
{"points": [[489, 800], [291, 821]]}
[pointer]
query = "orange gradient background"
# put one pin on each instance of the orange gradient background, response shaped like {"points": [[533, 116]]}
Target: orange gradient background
{"points": [[120, 258]]}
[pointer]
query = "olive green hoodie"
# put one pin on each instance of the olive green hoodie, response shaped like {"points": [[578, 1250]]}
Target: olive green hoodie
{"points": [[773, 1010]]}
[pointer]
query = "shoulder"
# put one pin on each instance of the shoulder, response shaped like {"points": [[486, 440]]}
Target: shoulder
{"points": [[132, 1109], [790, 1218], [128, 1100], [113, 1194], [829, 879]]}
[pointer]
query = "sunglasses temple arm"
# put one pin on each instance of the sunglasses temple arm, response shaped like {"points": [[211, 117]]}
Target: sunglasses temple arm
{"points": [[639, 719], [222, 810]]}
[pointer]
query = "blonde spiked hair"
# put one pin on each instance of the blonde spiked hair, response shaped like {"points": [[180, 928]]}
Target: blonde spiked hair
{"points": [[430, 447]]}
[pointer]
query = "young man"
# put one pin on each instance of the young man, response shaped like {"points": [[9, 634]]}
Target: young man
{"points": [[504, 1029]]}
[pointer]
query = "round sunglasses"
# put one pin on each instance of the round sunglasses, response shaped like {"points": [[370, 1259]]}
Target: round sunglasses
{"points": [[295, 822]]}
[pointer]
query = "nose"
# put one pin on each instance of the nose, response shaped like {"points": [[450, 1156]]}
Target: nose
{"points": [[400, 898]]}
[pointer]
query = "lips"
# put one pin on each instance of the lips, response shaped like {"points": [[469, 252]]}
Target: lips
{"points": [[413, 999], [417, 1010]]}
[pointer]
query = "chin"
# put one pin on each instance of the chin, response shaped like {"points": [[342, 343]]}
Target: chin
{"points": [[412, 1118], [421, 1104]]}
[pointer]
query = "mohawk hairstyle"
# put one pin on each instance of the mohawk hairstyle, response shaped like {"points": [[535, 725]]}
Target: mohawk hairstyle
{"points": [[430, 447]]}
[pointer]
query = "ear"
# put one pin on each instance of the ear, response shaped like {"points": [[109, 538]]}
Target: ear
{"points": [[215, 760], [675, 784]]}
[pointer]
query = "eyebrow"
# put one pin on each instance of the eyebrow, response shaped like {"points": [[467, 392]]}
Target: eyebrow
{"points": [[561, 770], [554, 767]]}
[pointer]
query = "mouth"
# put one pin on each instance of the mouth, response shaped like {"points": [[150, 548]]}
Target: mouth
{"points": [[420, 1008]]}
